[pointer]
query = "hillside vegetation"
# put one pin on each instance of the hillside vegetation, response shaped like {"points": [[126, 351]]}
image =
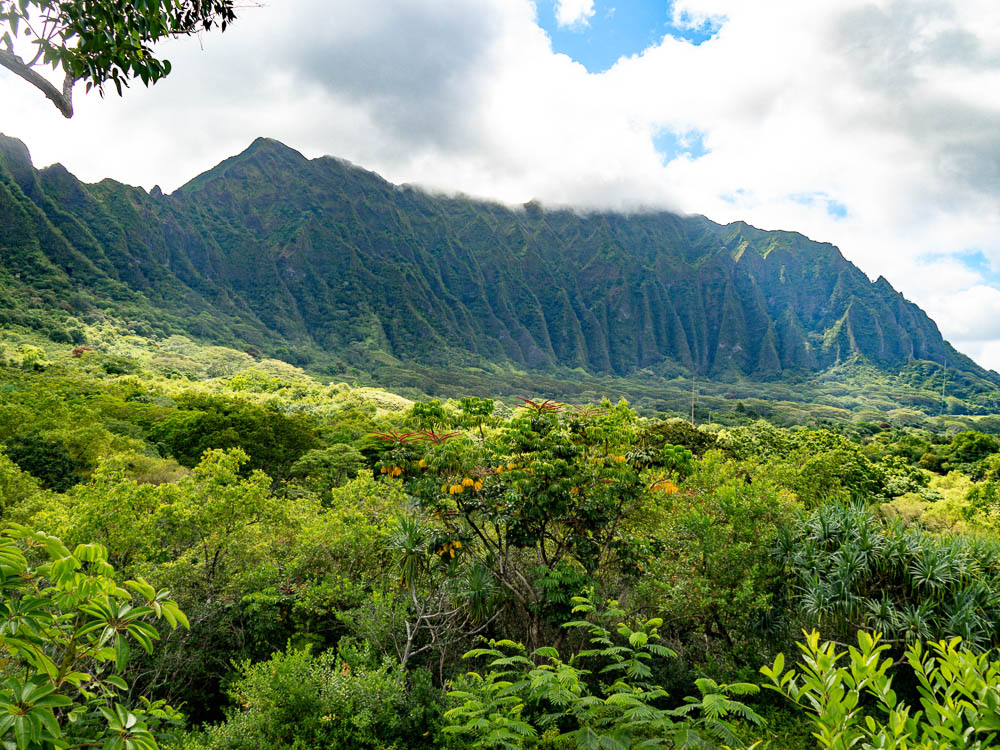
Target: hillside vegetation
{"points": [[338, 566]]}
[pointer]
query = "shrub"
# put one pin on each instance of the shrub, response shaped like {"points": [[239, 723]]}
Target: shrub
{"points": [[852, 571], [522, 698], [33, 358], [67, 629], [301, 700], [850, 697], [47, 460], [118, 365]]}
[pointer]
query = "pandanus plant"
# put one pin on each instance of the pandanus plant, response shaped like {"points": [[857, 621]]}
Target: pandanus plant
{"points": [[851, 570]]}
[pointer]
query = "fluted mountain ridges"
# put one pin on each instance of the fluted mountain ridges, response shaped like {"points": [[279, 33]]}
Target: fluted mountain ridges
{"points": [[273, 250]]}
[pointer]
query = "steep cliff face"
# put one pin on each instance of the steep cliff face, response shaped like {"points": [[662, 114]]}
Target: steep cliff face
{"points": [[271, 248]]}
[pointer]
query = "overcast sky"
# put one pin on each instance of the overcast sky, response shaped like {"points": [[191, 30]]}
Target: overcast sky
{"points": [[873, 125]]}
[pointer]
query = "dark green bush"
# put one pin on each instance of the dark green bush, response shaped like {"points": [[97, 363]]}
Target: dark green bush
{"points": [[300, 701], [273, 440], [47, 460]]}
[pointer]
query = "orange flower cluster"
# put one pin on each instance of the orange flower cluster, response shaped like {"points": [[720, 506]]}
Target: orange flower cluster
{"points": [[459, 486], [665, 486], [392, 471], [449, 548]]}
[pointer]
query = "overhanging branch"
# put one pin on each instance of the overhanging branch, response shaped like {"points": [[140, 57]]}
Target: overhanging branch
{"points": [[62, 99]]}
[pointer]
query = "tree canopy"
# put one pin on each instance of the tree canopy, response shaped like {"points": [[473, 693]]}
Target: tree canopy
{"points": [[98, 41]]}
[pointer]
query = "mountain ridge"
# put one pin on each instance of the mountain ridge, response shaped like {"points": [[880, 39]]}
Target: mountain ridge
{"points": [[321, 260]]}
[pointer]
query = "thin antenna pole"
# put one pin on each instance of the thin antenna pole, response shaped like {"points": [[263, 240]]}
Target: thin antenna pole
{"points": [[692, 402], [944, 381]]}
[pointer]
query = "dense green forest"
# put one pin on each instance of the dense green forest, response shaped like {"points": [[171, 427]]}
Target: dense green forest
{"points": [[208, 549]]}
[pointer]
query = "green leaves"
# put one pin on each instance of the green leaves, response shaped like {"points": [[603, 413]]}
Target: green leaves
{"points": [[101, 41], [12, 560], [857, 572], [65, 622], [560, 696], [490, 709], [958, 695], [27, 711], [127, 731]]}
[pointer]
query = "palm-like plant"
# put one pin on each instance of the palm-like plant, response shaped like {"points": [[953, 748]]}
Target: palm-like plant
{"points": [[850, 570]]}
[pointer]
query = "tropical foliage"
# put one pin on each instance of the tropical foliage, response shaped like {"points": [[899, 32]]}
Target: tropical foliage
{"points": [[360, 569], [67, 629]]}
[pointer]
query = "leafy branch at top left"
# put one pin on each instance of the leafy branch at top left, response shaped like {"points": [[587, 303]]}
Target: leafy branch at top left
{"points": [[98, 41]]}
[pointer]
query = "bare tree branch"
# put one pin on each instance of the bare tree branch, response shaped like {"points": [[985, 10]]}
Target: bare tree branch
{"points": [[62, 99]]}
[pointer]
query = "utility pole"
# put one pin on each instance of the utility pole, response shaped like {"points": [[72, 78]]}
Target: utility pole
{"points": [[944, 381], [692, 402]]}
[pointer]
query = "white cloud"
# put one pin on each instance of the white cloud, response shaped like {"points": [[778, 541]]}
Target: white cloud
{"points": [[986, 353], [574, 13], [972, 314], [887, 107]]}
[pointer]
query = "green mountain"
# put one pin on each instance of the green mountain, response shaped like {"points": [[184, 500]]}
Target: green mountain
{"points": [[322, 263]]}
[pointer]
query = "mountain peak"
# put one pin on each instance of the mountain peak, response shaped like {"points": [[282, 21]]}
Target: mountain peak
{"points": [[883, 282], [9, 142], [14, 153], [262, 144], [266, 154]]}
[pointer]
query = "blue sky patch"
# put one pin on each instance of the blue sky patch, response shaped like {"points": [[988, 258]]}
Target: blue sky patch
{"points": [[737, 195], [671, 145], [974, 260], [834, 208], [618, 28]]}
